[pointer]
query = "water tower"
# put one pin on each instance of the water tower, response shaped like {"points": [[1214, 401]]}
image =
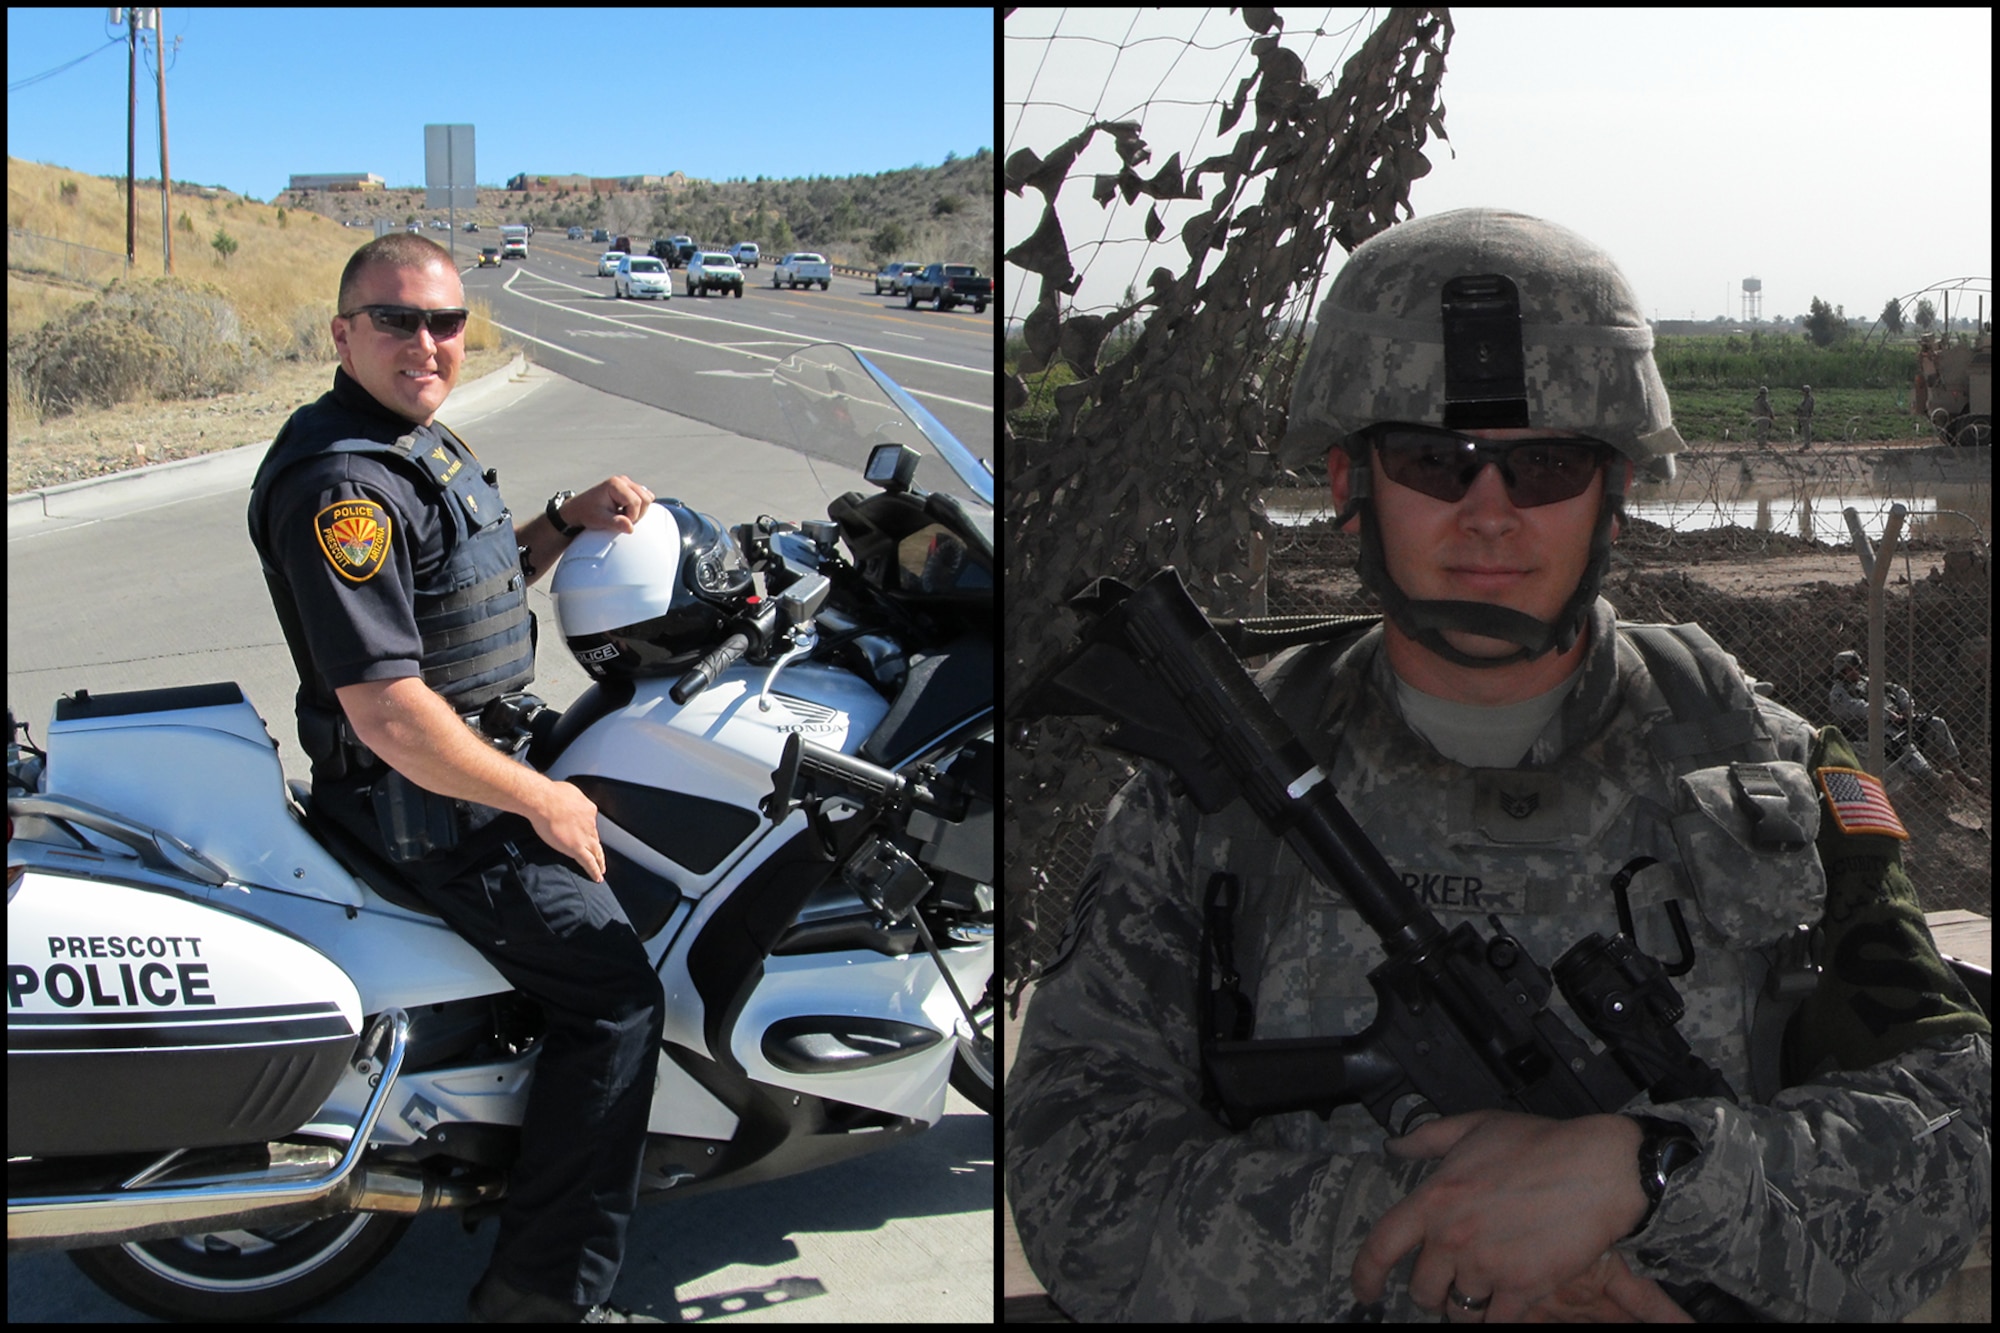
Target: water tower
{"points": [[1753, 300]]}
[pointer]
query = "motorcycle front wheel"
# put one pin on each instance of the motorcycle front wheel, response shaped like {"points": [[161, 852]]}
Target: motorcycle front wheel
{"points": [[248, 1274], [972, 1066]]}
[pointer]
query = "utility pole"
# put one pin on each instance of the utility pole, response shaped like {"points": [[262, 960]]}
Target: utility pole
{"points": [[131, 136], [166, 178]]}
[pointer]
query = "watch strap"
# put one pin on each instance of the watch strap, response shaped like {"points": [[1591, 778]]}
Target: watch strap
{"points": [[1665, 1147], [554, 512]]}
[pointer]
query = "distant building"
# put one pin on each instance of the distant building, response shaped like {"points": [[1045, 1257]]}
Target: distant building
{"points": [[366, 181]]}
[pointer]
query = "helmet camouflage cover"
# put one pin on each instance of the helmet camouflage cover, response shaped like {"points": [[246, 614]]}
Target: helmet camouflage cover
{"points": [[1481, 318], [1379, 354]]}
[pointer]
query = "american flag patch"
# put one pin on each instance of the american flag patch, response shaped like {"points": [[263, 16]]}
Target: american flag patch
{"points": [[1859, 804]]}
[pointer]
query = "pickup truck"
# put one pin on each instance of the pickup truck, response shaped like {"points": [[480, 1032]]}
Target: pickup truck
{"points": [[802, 270], [949, 285]]}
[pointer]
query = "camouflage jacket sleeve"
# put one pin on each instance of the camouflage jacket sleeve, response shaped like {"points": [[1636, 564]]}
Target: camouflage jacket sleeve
{"points": [[1850, 1196], [1131, 1202]]}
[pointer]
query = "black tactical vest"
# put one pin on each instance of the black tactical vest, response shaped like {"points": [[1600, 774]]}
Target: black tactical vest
{"points": [[472, 611]]}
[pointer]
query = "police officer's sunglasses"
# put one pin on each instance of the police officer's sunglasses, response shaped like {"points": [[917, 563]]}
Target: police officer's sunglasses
{"points": [[405, 320], [1443, 464]]}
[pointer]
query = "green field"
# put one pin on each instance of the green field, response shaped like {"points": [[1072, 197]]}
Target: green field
{"points": [[1860, 393]]}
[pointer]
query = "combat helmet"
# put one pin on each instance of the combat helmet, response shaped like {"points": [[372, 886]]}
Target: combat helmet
{"points": [[1471, 319]]}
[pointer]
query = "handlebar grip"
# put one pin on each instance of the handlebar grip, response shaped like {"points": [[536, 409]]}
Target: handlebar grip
{"points": [[705, 671], [857, 777]]}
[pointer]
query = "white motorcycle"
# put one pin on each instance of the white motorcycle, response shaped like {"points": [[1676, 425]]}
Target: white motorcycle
{"points": [[242, 1053]]}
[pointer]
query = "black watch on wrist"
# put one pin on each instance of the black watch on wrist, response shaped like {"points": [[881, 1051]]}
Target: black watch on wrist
{"points": [[554, 511], [1664, 1148]]}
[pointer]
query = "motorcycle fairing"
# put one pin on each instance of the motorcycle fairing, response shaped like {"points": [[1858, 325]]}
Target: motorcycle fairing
{"points": [[727, 746], [123, 752], [140, 1020]]}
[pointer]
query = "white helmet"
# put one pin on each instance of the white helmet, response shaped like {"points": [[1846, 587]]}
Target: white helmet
{"points": [[650, 601]]}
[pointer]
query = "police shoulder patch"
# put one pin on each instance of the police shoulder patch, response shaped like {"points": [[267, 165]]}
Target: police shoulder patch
{"points": [[1858, 803], [354, 535]]}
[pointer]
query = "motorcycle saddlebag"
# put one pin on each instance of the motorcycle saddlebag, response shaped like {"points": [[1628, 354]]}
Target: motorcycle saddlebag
{"points": [[139, 1020]]}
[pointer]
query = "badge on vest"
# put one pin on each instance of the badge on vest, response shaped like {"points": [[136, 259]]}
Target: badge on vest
{"points": [[354, 534], [1858, 802]]}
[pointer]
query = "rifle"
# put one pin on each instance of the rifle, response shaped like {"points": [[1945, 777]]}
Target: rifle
{"points": [[1463, 1021]]}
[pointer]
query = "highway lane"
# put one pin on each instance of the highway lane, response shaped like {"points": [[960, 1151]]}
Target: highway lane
{"points": [[710, 358]]}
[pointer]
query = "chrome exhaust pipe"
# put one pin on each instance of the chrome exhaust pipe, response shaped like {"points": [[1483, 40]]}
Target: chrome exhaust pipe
{"points": [[302, 1184]]}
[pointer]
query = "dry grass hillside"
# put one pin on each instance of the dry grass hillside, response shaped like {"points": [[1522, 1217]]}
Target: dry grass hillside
{"points": [[248, 305], [270, 262]]}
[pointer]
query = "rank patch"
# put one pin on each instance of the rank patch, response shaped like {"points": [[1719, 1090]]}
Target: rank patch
{"points": [[1858, 803], [354, 534]]}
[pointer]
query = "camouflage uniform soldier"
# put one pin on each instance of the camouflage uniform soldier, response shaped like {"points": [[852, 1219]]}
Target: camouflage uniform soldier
{"points": [[1760, 412], [1805, 416], [1913, 740], [1486, 386]]}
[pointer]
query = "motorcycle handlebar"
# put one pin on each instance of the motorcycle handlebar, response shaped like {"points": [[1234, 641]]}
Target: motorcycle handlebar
{"points": [[705, 671]]}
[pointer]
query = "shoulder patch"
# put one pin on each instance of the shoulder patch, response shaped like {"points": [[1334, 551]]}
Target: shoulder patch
{"points": [[1858, 802], [354, 535]]}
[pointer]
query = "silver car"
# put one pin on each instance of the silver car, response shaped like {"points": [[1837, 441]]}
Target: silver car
{"points": [[641, 275]]}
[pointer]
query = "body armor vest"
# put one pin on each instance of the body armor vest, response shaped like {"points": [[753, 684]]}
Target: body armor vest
{"points": [[1684, 796], [472, 610]]}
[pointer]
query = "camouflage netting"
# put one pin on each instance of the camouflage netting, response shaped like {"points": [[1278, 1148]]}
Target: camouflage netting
{"points": [[1157, 457]]}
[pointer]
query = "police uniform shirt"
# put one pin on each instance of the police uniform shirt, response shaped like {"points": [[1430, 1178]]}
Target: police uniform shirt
{"points": [[352, 536]]}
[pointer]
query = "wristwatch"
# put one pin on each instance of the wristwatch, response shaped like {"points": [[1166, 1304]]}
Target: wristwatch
{"points": [[1664, 1148], [554, 512]]}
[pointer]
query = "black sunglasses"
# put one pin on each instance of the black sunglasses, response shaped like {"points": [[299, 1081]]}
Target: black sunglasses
{"points": [[405, 320], [1443, 464]]}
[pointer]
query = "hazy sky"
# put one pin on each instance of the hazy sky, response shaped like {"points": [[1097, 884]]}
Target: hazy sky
{"points": [[256, 94], [1844, 154]]}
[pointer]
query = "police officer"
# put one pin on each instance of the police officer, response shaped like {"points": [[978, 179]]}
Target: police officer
{"points": [[1482, 388], [400, 582]]}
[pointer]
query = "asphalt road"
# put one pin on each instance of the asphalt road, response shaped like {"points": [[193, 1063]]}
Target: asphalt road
{"points": [[694, 355], [153, 582]]}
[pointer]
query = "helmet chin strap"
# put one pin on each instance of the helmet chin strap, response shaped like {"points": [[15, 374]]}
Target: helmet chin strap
{"points": [[1426, 622]]}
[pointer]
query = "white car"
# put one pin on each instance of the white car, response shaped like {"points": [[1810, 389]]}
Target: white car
{"points": [[640, 275], [744, 253], [607, 263]]}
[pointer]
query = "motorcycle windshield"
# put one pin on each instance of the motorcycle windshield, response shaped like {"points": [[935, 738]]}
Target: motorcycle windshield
{"points": [[832, 394]]}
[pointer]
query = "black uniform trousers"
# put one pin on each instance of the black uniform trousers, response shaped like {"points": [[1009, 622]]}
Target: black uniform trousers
{"points": [[561, 939]]}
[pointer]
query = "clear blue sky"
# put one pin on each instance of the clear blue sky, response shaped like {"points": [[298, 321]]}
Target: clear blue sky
{"points": [[256, 94]]}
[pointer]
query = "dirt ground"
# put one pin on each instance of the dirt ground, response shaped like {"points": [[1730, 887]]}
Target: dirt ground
{"points": [[101, 441]]}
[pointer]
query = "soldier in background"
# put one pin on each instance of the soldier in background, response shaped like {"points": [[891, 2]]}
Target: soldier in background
{"points": [[1920, 744], [1760, 412], [1805, 416]]}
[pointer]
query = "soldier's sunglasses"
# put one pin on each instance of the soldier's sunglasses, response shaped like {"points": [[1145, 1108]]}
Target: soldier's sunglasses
{"points": [[1443, 464], [405, 320]]}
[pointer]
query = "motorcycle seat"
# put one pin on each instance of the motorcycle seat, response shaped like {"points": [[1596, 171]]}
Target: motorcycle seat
{"points": [[360, 860]]}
